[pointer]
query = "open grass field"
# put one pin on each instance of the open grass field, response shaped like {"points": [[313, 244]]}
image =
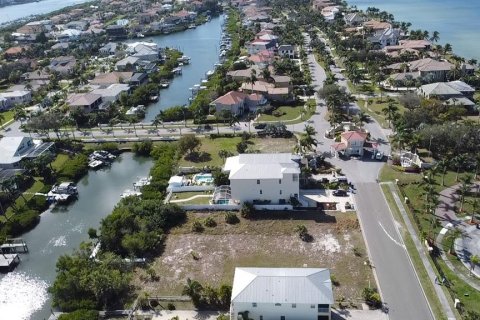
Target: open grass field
{"points": [[26, 196], [267, 241], [210, 148]]}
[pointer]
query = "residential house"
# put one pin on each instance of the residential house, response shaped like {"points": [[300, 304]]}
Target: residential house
{"points": [[427, 70], [68, 35], [60, 47], [375, 25], [351, 143], [80, 25], [262, 59], [127, 64], [286, 51], [13, 98], [116, 32], [282, 293], [112, 93], [185, 16], [258, 45], [138, 78], [64, 65], [14, 149], [255, 102], [384, 37], [329, 13], [232, 101], [269, 90], [282, 81], [354, 19], [87, 102], [3, 103], [15, 52], [320, 4], [271, 178], [32, 28], [109, 49], [106, 79], [454, 93], [408, 45]]}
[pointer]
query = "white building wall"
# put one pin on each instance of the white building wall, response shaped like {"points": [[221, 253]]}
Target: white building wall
{"points": [[271, 311], [249, 189]]}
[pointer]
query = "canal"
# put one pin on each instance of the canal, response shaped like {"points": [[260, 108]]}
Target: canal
{"points": [[23, 292], [201, 45]]}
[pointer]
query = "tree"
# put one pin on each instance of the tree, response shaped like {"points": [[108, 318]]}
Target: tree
{"points": [[466, 184], [447, 48], [188, 144], [451, 236], [194, 290], [442, 166], [2, 118], [391, 112], [224, 154], [474, 260], [435, 36]]}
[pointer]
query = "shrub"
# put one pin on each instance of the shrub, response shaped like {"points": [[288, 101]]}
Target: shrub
{"points": [[242, 146], [80, 314], [143, 148], [231, 218], [303, 233], [75, 168], [197, 226], [38, 203], [357, 252], [22, 222], [334, 280], [371, 297], [170, 306], [247, 211], [210, 222], [109, 146], [220, 178]]}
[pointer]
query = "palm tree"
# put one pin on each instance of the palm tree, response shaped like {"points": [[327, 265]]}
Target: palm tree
{"points": [[442, 166], [224, 154], [459, 162], [474, 260], [435, 36], [475, 205], [390, 111], [452, 235], [464, 189], [253, 77], [362, 117], [132, 121], [447, 48], [193, 289], [2, 118]]}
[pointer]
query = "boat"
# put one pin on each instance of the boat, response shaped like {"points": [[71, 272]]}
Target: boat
{"points": [[177, 71], [145, 181], [140, 35], [153, 98], [164, 85], [130, 193], [67, 188], [101, 155], [192, 26], [95, 164], [210, 73], [209, 18], [204, 81]]}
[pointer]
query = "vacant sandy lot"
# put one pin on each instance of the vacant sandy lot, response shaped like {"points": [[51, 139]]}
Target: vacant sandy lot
{"points": [[265, 242]]}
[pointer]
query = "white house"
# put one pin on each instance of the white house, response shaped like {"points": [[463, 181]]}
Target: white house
{"points": [[286, 50], [271, 178], [113, 92], [14, 149], [281, 294], [12, 98]]}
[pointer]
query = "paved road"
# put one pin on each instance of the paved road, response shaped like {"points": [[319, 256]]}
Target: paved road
{"points": [[398, 282]]}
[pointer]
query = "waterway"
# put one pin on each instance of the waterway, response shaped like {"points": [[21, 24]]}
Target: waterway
{"points": [[20, 11], [23, 293], [458, 21], [201, 45]]}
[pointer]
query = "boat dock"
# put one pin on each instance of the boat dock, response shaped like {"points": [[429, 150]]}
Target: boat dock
{"points": [[8, 261], [14, 245]]}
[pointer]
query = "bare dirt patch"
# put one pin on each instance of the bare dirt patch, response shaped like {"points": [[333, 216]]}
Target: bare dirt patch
{"points": [[264, 242]]}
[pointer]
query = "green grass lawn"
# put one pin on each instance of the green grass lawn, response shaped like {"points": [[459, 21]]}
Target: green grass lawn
{"points": [[59, 161], [286, 113], [8, 115], [27, 195], [186, 195], [211, 147]]}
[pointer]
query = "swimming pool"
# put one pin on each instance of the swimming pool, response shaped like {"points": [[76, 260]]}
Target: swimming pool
{"points": [[203, 177]]}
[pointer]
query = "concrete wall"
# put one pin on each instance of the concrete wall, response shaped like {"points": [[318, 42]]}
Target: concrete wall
{"points": [[249, 190], [210, 207], [270, 311], [191, 188]]}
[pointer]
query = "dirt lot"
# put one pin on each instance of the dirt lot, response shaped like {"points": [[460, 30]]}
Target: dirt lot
{"points": [[269, 241]]}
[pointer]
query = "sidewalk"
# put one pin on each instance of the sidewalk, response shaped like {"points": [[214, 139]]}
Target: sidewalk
{"points": [[423, 255]]}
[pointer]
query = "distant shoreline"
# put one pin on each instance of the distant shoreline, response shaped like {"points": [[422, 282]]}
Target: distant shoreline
{"points": [[17, 3]]}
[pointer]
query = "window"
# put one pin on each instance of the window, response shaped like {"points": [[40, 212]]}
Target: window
{"points": [[261, 192], [280, 191], [279, 181], [312, 306], [294, 305], [258, 181], [278, 304], [282, 317], [261, 317], [295, 177], [254, 304]]}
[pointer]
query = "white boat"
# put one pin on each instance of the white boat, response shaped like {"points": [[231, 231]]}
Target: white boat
{"points": [[145, 181], [204, 81], [130, 193], [140, 35], [67, 188], [95, 164], [210, 73]]}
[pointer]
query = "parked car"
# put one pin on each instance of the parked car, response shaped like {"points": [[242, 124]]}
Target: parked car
{"points": [[260, 126], [341, 179], [339, 193]]}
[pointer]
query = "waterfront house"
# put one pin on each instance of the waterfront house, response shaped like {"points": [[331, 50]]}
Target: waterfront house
{"points": [[384, 37], [64, 65], [232, 101], [14, 149], [138, 78], [329, 13], [127, 64], [272, 178], [408, 45], [281, 293], [351, 143], [454, 93], [427, 70], [320, 4], [106, 79], [269, 90], [109, 49], [112, 93], [87, 102], [354, 19], [116, 32]]}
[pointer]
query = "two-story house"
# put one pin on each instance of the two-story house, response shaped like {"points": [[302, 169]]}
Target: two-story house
{"points": [[282, 294], [266, 177], [351, 143]]}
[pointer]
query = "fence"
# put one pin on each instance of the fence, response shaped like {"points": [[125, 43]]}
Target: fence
{"points": [[212, 207], [191, 188]]}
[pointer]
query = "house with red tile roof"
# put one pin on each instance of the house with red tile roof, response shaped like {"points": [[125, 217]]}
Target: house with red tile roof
{"points": [[233, 101], [351, 143]]}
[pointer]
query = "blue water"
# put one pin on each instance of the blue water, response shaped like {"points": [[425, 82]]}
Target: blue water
{"points": [[458, 21], [19, 11]]}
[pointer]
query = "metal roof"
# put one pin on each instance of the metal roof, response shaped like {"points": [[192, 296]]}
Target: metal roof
{"points": [[282, 285], [261, 166]]}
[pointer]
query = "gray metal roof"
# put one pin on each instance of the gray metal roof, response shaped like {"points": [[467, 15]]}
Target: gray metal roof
{"points": [[282, 285], [261, 166]]}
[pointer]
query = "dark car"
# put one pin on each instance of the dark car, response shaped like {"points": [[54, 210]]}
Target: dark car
{"points": [[339, 193], [260, 126]]}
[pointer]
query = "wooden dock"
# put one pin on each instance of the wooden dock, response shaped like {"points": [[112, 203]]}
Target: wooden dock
{"points": [[8, 261], [14, 245]]}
